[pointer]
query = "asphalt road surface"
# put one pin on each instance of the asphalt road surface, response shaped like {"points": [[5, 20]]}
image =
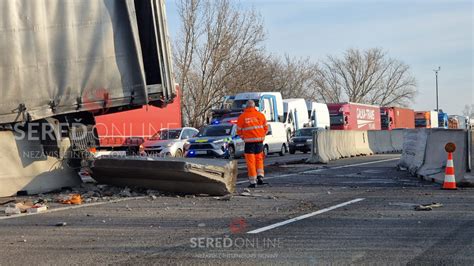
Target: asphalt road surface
{"points": [[352, 211]]}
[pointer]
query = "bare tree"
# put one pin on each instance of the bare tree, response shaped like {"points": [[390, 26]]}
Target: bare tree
{"points": [[365, 77], [217, 41], [468, 110]]}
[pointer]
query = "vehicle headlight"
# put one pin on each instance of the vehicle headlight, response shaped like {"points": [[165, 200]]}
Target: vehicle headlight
{"points": [[309, 140], [169, 145], [219, 141]]}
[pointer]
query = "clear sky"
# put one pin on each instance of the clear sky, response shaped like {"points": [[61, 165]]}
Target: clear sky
{"points": [[424, 34]]}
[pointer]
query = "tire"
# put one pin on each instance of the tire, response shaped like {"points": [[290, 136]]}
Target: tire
{"points": [[282, 150], [231, 151], [292, 151], [178, 153], [265, 150]]}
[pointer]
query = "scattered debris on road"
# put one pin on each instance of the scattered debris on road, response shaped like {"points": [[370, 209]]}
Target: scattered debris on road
{"points": [[428, 207]]}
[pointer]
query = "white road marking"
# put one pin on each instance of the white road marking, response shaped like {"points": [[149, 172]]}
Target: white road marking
{"points": [[350, 165], [71, 207], [266, 178], [323, 169], [270, 227]]}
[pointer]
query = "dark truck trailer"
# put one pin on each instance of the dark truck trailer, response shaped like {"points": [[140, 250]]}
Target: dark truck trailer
{"points": [[61, 63], [396, 117], [354, 116]]}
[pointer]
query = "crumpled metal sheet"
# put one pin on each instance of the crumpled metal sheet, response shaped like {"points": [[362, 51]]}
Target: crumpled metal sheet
{"points": [[177, 175]]}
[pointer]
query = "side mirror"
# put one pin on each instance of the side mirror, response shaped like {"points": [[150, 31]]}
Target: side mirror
{"points": [[269, 133]]}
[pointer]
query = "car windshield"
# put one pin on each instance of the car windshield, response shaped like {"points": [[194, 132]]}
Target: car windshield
{"points": [[240, 104], [166, 134], [231, 115], [304, 132], [215, 131], [337, 120], [420, 122]]}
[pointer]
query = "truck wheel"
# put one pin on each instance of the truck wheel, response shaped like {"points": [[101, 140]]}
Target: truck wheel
{"points": [[179, 153], [292, 151], [282, 150]]}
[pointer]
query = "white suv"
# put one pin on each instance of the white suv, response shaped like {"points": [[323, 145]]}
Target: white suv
{"points": [[168, 142]]}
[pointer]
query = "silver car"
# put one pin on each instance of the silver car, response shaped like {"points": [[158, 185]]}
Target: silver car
{"points": [[168, 142]]}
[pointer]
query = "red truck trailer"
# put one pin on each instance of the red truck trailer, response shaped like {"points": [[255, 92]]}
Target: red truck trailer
{"points": [[396, 117], [127, 130], [354, 116]]}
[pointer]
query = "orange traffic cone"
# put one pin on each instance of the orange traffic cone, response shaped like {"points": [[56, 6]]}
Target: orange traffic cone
{"points": [[449, 177]]}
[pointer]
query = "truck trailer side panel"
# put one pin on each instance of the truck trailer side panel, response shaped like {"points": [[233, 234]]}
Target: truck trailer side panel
{"points": [[396, 117], [61, 57], [354, 116]]}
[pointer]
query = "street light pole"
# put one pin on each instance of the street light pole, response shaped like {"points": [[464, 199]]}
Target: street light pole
{"points": [[437, 94]]}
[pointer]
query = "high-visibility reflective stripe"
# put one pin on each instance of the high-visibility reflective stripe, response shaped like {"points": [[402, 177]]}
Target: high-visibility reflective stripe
{"points": [[260, 171], [447, 178], [250, 128], [254, 139], [450, 163]]}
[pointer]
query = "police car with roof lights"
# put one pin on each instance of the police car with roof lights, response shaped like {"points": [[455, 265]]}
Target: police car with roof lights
{"points": [[216, 141]]}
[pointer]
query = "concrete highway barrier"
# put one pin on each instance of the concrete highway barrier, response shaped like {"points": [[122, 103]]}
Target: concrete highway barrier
{"points": [[380, 141], [362, 143], [397, 139], [25, 167], [414, 145], [335, 144], [424, 155], [176, 175]]}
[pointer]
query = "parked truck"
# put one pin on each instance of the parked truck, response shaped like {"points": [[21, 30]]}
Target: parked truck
{"points": [[458, 122], [354, 116], [426, 119], [396, 117], [125, 131], [442, 119], [295, 115], [269, 103], [318, 115], [63, 66]]}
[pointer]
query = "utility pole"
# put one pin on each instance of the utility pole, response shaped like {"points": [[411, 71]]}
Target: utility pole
{"points": [[437, 94]]}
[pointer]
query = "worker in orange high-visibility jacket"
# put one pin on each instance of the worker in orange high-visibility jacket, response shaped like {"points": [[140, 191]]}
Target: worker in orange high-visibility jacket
{"points": [[252, 128]]}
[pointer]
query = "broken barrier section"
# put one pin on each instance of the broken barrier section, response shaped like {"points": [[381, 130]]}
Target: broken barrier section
{"points": [[176, 175], [25, 167], [414, 145], [424, 155], [435, 156]]}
